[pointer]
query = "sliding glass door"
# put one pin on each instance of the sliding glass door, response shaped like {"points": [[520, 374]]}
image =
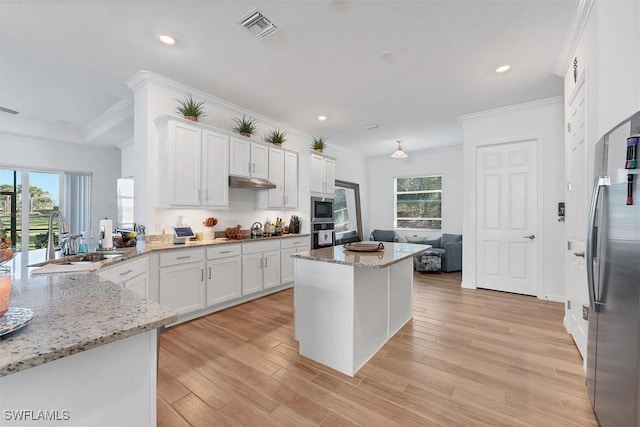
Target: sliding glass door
{"points": [[28, 197]]}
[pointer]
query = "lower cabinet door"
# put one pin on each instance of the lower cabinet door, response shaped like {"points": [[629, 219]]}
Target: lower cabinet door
{"points": [[139, 285], [271, 270], [252, 266], [224, 279], [182, 287], [287, 265]]}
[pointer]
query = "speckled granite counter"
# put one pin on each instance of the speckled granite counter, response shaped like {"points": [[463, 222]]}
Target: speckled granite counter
{"points": [[74, 313], [391, 254]]}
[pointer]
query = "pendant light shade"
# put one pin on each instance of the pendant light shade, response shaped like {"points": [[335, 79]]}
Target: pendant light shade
{"points": [[399, 154]]}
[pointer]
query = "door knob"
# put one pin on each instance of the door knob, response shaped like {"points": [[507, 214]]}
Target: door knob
{"points": [[580, 254], [530, 236]]}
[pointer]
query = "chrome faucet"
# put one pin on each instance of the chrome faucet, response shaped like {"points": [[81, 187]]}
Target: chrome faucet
{"points": [[62, 229]]}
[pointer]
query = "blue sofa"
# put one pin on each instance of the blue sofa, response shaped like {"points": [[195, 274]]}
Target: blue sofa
{"points": [[450, 247], [383, 236]]}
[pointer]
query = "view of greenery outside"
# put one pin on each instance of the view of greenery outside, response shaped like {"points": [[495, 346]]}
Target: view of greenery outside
{"points": [[41, 205], [340, 210], [419, 202]]}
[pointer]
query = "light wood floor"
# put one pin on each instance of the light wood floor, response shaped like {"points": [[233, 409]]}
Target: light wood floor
{"points": [[468, 358]]}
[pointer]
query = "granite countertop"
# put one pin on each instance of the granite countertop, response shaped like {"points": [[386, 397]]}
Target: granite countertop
{"points": [[73, 313], [80, 311], [391, 254]]}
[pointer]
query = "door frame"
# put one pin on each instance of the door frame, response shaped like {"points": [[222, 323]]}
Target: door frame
{"points": [[537, 139]]}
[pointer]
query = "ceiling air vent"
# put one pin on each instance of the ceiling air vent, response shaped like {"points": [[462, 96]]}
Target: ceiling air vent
{"points": [[257, 24]]}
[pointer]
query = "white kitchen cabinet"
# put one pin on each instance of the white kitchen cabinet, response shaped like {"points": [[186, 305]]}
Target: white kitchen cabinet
{"points": [[283, 172], [290, 246], [260, 266], [182, 280], [249, 158], [290, 180], [224, 273], [133, 275], [322, 175], [194, 165]]}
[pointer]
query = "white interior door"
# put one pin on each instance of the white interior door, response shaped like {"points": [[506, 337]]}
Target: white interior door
{"points": [[507, 220], [577, 292]]}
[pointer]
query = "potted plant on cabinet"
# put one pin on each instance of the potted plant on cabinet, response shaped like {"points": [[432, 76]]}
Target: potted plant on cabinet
{"points": [[245, 126], [190, 109], [318, 144], [275, 137]]}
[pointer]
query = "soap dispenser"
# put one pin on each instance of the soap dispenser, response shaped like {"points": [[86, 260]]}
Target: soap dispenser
{"points": [[82, 245]]}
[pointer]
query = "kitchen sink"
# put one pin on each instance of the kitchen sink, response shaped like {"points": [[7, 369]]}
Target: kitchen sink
{"points": [[87, 258]]}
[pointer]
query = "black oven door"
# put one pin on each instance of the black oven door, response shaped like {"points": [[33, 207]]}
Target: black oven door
{"points": [[321, 209]]}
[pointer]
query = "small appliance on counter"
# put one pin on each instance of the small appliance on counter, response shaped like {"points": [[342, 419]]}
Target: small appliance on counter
{"points": [[106, 228], [256, 230], [181, 234]]}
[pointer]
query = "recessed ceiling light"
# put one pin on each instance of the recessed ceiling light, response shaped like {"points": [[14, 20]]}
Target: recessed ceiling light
{"points": [[322, 118], [503, 68], [387, 56], [166, 39]]}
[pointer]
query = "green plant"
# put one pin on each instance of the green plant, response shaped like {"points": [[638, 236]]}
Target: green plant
{"points": [[188, 107], [318, 144], [245, 126], [276, 137]]}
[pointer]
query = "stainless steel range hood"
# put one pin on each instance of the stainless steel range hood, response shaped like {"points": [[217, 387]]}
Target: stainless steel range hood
{"points": [[251, 183]]}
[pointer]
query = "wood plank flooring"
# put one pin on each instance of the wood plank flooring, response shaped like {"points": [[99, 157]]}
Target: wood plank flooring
{"points": [[468, 358]]}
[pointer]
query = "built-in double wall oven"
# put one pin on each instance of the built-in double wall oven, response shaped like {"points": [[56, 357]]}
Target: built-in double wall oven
{"points": [[322, 225]]}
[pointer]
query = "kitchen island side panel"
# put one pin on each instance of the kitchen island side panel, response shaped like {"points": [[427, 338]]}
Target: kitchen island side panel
{"points": [[113, 384], [400, 295], [324, 298], [371, 313]]}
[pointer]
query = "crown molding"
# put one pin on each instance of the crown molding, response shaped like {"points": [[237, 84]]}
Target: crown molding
{"points": [[572, 37], [115, 115], [515, 107]]}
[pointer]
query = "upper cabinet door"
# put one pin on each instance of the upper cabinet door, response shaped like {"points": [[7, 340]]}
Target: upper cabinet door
{"points": [[290, 180], [240, 157], [259, 161], [317, 184], [184, 163], [329, 176], [215, 169], [276, 176]]}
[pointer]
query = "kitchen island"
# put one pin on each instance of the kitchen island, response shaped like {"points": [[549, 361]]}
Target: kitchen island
{"points": [[88, 357], [348, 304]]}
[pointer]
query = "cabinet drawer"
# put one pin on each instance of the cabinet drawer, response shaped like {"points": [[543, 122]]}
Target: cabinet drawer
{"points": [[292, 242], [181, 256], [255, 247], [125, 270], [223, 251]]}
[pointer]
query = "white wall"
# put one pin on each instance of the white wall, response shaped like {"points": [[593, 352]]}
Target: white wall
{"points": [[103, 163], [383, 169], [544, 121], [127, 161], [154, 96]]}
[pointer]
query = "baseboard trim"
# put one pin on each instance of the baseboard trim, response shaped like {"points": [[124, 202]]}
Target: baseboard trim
{"points": [[467, 285]]}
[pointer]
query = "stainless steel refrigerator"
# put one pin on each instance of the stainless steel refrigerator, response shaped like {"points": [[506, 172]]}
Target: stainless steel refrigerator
{"points": [[613, 271]]}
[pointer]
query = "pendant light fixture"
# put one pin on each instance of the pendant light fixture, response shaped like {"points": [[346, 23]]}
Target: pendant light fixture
{"points": [[399, 153]]}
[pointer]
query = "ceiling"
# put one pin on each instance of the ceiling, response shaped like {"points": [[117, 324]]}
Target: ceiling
{"points": [[65, 62]]}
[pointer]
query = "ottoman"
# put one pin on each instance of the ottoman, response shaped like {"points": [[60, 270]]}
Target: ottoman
{"points": [[428, 261]]}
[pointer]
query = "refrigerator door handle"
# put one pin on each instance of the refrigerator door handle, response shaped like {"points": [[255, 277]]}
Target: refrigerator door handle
{"points": [[592, 260]]}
